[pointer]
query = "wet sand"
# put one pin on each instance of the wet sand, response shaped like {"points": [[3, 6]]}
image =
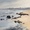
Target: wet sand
{"points": [[25, 19]]}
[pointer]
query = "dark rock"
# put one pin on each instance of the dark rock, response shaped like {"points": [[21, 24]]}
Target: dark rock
{"points": [[15, 21], [8, 17], [1, 19], [23, 23], [14, 18], [19, 21]]}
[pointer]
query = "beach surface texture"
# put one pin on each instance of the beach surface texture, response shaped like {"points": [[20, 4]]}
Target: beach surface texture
{"points": [[25, 19]]}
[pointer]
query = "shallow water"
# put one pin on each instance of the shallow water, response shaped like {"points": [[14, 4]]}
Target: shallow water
{"points": [[11, 12], [4, 13]]}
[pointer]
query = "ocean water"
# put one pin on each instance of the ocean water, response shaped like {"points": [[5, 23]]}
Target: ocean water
{"points": [[4, 13], [8, 23], [10, 12]]}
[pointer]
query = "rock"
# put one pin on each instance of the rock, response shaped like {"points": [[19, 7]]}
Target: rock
{"points": [[1, 19], [8, 17], [18, 21], [23, 23], [14, 18], [15, 21]]}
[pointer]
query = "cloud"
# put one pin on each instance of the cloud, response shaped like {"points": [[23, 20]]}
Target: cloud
{"points": [[6, 3], [2, 1], [14, 3]]}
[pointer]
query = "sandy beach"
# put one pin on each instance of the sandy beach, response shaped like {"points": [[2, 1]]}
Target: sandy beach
{"points": [[25, 19]]}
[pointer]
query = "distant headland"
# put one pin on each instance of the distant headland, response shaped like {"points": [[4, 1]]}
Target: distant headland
{"points": [[15, 8]]}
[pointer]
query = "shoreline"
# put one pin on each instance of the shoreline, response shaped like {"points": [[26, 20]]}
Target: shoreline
{"points": [[25, 19]]}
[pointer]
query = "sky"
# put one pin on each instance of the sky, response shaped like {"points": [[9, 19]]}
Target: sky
{"points": [[14, 3]]}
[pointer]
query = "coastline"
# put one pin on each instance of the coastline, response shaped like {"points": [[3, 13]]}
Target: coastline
{"points": [[25, 19]]}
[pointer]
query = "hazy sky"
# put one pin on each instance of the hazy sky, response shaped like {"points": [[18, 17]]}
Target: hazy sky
{"points": [[14, 3]]}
